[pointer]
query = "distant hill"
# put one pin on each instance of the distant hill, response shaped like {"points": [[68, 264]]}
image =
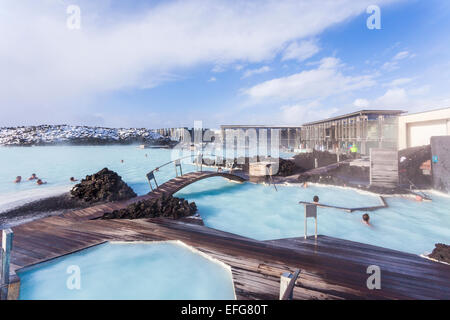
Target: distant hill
{"points": [[80, 135]]}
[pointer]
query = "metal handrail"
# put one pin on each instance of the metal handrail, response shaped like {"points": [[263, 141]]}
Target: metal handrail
{"points": [[421, 193], [151, 176], [167, 163]]}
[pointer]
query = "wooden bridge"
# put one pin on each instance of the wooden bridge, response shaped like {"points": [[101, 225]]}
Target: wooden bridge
{"points": [[183, 180], [176, 184]]}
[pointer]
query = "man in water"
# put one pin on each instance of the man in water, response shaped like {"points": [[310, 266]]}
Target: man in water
{"points": [[39, 182], [316, 199], [18, 179], [366, 219], [33, 177], [72, 179]]}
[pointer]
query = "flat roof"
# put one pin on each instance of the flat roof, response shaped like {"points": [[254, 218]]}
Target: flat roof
{"points": [[360, 112], [426, 111], [225, 126]]}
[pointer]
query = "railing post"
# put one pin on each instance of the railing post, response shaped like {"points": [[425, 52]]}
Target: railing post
{"points": [[287, 284], [310, 212], [178, 164], [284, 282], [199, 161], [7, 240], [151, 176]]}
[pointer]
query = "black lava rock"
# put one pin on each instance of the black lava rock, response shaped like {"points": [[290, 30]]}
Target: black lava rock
{"points": [[105, 185], [169, 207], [441, 252]]}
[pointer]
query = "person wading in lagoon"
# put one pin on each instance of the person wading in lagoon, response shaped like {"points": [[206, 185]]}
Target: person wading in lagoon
{"points": [[365, 219], [39, 182], [72, 179], [316, 199], [18, 179], [33, 177]]}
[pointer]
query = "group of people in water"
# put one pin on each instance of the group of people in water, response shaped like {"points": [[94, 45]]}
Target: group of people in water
{"points": [[31, 178], [365, 216], [38, 181]]}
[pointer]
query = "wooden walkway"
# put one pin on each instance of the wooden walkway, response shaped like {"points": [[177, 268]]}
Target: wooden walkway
{"points": [[176, 184], [325, 169], [331, 268]]}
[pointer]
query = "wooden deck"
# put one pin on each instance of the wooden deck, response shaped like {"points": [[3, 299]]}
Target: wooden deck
{"points": [[331, 268]]}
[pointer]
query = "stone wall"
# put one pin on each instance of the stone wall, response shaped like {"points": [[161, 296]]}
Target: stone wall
{"points": [[440, 162]]}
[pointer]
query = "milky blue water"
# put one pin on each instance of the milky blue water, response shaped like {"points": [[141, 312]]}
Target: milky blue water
{"points": [[255, 211], [158, 271]]}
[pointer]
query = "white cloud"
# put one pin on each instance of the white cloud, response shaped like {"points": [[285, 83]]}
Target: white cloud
{"points": [[393, 63], [319, 83], [45, 66], [392, 98], [251, 72], [361, 103], [212, 79], [300, 51], [399, 82], [218, 68], [402, 55], [405, 98], [298, 113], [420, 91]]}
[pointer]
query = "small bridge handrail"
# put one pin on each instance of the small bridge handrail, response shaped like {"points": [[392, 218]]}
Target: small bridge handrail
{"points": [[167, 163]]}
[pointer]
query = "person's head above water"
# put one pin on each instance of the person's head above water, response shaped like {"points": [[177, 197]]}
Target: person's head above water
{"points": [[316, 199], [366, 217], [18, 179]]}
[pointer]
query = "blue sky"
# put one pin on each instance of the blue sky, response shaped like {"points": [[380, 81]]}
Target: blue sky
{"points": [[168, 63]]}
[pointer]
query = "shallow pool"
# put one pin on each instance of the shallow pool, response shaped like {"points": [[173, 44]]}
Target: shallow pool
{"points": [[162, 271]]}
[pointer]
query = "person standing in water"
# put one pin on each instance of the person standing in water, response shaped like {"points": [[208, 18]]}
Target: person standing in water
{"points": [[316, 199], [18, 179]]}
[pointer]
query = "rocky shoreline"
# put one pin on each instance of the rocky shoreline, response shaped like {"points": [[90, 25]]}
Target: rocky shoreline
{"points": [[44, 135], [166, 207], [55, 205], [441, 253]]}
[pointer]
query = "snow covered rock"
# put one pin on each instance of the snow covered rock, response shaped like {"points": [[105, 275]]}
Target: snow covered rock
{"points": [[55, 134]]}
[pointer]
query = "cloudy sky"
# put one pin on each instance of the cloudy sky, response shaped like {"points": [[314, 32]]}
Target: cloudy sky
{"points": [[168, 63]]}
